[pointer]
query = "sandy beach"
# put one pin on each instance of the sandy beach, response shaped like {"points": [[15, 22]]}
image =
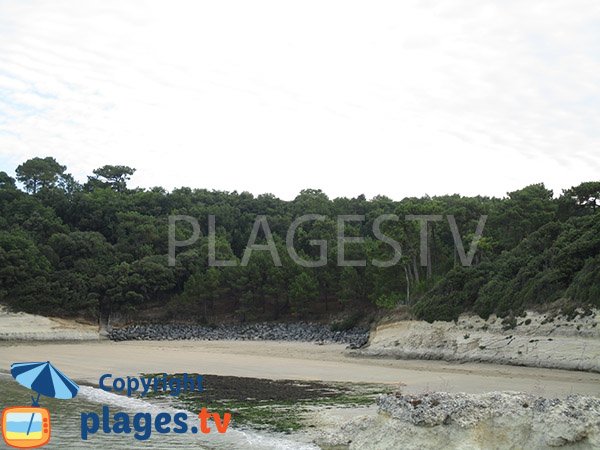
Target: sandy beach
{"points": [[86, 361], [351, 418]]}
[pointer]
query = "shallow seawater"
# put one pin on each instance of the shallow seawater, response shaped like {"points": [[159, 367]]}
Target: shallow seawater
{"points": [[66, 424]]}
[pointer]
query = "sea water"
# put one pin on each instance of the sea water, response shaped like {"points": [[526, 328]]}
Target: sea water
{"points": [[66, 424]]}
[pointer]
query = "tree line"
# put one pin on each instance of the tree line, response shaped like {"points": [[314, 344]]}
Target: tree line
{"points": [[99, 248]]}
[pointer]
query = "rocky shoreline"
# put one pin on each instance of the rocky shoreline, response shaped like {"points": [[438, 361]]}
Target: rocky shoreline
{"points": [[298, 331], [459, 421]]}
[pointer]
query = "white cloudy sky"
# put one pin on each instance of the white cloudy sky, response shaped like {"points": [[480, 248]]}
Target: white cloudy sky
{"points": [[397, 98]]}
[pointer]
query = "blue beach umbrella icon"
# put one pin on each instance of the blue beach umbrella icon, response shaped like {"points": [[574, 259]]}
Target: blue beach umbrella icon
{"points": [[45, 379]]}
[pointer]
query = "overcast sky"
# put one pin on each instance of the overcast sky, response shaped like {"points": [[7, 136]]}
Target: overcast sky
{"points": [[397, 98]]}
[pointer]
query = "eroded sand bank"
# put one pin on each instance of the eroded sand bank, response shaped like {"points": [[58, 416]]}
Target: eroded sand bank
{"points": [[21, 326]]}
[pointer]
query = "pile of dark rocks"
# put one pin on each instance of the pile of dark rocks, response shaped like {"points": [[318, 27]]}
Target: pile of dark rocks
{"points": [[298, 331]]}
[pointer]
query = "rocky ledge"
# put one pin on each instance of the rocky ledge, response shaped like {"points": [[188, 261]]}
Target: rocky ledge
{"points": [[536, 340], [496, 420], [305, 332]]}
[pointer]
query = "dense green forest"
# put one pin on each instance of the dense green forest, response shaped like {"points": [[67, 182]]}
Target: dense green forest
{"points": [[100, 248]]}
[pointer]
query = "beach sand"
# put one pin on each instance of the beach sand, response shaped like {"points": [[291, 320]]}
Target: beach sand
{"points": [[86, 361]]}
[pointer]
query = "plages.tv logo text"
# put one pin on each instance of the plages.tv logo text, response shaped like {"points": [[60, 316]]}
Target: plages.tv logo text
{"points": [[142, 424]]}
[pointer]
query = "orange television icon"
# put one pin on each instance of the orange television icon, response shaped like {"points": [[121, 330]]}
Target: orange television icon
{"points": [[26, 426]]}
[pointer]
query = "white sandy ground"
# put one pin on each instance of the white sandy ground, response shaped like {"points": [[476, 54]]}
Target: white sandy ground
{"points": [[86, 361], [23, 326]]}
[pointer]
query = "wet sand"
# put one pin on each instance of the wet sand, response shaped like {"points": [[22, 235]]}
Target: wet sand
{"points": [[86, 361]]}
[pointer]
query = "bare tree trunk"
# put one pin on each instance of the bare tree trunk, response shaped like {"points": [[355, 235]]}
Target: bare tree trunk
{"points": [[429, 239], [406, 274], [415, 269], [105, 309], [428, 265]]}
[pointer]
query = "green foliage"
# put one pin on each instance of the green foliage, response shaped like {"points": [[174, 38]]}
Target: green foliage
{"points": [[114, 177], [455, 293], [101, 248], [201, 291], [303, 291], [39, 173], [524, 212], [24, 273], [559, 259], [388, 301], [347, 323], [6, 182], [585, 288], [580, 200]]}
